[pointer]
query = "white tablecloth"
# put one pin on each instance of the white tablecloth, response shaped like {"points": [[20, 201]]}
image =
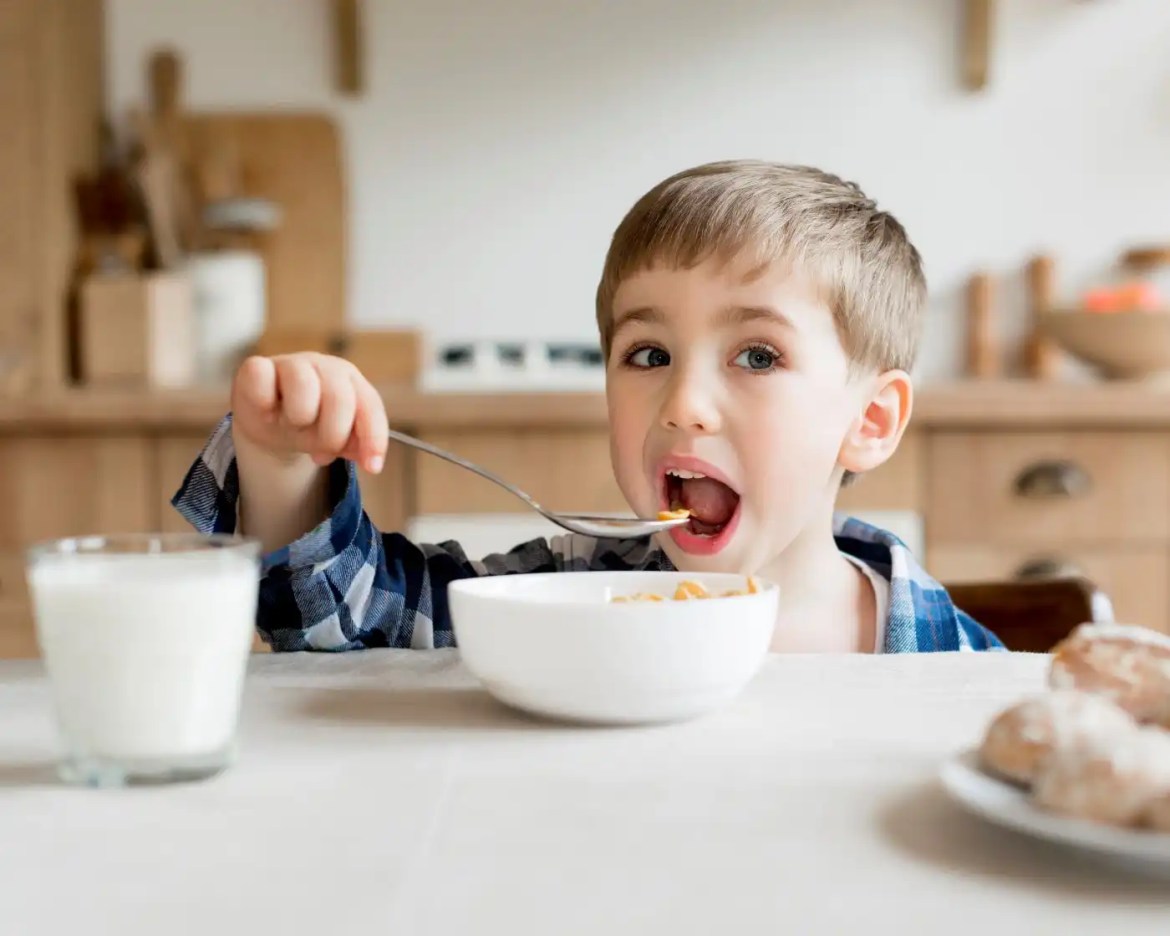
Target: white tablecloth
{"points": [[383, 792]]}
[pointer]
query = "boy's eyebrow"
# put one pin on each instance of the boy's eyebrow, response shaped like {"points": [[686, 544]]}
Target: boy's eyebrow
{"points": [[744, 315], [732, 315], [647, 315]]}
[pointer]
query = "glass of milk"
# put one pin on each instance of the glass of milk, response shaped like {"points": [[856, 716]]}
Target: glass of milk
{"points": [[145, 639]]}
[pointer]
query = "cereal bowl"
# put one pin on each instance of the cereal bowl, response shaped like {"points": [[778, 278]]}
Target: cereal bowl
{"points": [[578, 646]]}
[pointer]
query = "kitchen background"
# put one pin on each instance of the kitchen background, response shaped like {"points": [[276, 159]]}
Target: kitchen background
{"points": [[428, 187], [496, 143]]}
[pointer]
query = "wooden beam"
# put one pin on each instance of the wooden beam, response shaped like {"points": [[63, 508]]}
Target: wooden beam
{"points": [[978, 31], [347, 36]]}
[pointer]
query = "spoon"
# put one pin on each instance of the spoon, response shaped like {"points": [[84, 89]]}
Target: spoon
{"points": [[585, 524]]}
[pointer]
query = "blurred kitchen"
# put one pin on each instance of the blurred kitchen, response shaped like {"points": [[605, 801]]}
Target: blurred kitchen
{"points": [[428, 187]]}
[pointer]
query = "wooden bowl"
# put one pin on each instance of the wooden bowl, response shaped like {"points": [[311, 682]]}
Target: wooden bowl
{"points": [[1123, 345]]}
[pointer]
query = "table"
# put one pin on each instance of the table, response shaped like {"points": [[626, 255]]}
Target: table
{"points": [[384, 792]]}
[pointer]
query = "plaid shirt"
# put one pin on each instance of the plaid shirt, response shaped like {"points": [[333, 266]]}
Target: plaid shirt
{"points": [[346, 586]]}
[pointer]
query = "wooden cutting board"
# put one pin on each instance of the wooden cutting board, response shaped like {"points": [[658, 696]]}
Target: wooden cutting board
{"points": [[293, 158]]}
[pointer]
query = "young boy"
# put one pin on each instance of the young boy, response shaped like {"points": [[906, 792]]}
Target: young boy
{"points": [[759, 322]]}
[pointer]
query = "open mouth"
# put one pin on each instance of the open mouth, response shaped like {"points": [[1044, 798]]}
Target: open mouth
{"points": [[712, 504]]}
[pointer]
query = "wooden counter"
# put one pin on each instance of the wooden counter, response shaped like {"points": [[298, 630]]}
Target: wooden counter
{"points": [[967, 405], [1008, 478]]}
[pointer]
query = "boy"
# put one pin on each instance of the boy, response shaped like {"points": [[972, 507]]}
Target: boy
{"points": [[758, 321]]}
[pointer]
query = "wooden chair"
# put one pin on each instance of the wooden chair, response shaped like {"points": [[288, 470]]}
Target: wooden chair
{"points": [[1033, 615]]}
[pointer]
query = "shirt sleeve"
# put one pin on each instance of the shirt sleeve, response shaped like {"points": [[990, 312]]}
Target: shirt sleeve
{"points": [[975, 635], [344, 585]]}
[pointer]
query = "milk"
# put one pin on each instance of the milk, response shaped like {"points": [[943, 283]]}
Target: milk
{"points": [[146, 653]]}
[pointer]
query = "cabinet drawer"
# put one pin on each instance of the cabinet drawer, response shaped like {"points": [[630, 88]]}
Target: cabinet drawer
{"points": [[564, 470], [1135, 579], [1086, 488]]}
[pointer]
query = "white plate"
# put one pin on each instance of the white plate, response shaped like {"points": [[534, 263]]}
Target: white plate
{"points": [[1008, 805]]}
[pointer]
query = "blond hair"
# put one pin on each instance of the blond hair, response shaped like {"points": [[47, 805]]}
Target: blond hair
{"points": [[860, 258]]}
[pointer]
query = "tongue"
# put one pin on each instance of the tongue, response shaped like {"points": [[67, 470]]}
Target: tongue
{"points": [[709, 501]]}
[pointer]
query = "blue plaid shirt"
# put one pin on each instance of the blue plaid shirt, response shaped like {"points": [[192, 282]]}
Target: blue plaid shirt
{"points": [[346, 586]]}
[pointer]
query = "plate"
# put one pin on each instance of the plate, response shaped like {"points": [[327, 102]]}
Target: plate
{"points": [[1010, 806]]}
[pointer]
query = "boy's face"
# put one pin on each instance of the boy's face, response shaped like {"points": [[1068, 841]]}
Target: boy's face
{"points": [[741, 379]]}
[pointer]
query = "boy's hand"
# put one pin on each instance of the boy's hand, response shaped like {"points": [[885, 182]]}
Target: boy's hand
{"points": [[309, 404]]}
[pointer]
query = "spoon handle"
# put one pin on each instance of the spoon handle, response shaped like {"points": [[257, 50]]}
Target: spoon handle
{"points": [[463, 463]]}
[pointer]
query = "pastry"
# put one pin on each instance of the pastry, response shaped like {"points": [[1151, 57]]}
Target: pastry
{"points": [[1023, 737], [1158, 814], [1128, 665], [1113, 779]]}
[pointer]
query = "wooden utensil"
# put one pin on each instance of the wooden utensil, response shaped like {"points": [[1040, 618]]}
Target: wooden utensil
{"points": [[1145, 258], [164, 165], [348, 59], [978, 28], [293, 160], [983, 345], [1041, 353]]}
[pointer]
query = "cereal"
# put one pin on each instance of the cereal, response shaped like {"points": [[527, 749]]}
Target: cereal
{"points": [[687, 591], [681, 514]]}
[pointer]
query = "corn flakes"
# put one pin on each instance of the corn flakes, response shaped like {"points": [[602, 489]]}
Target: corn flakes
{"points": [[687, 591]]}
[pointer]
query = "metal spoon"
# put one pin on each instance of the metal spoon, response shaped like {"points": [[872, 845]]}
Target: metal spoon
{"points": [[585, 524]]}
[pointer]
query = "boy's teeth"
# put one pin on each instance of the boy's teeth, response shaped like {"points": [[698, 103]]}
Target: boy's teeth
{"points": [[686, 475]]}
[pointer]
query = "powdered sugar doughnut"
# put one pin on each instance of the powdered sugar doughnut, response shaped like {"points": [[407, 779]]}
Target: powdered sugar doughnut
{"points": [[1023, 737], [1128, 665], [1113, 780]]}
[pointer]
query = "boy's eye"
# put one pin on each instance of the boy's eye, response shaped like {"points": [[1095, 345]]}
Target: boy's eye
{"points": [[757, 359], [648, 357]]}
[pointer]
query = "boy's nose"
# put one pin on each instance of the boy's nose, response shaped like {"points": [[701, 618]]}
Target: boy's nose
{"points": [[688, 407]]}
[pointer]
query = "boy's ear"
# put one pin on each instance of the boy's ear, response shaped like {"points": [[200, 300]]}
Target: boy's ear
{"points": [[875, 434]]}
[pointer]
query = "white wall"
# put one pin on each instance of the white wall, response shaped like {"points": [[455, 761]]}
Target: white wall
{"points": [[499, 141]]}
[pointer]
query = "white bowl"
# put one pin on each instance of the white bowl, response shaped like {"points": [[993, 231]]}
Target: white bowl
{"points": [[555, 645]]}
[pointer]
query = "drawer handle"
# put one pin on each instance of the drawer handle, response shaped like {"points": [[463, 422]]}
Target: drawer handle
{"points": [[1053, 480], [1047, 567]]}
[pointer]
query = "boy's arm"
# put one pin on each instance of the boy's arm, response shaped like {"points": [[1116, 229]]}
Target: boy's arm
{"points": [[977, 637], [344, 585], [295, 415], [287, 495]]}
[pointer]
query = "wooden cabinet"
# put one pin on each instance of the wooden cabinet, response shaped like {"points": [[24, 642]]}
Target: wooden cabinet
{"points": [[50, 108], [563, 469], [1002, 505], [17, 639], [19, 195], [53, 486], [1134, 577], [1088, 488], [896, 485]]}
